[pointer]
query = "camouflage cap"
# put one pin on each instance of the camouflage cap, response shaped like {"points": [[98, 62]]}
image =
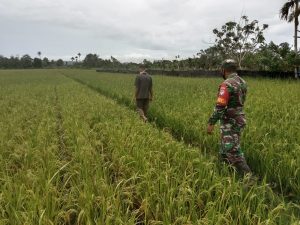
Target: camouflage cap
{"points": [[229, 64]]}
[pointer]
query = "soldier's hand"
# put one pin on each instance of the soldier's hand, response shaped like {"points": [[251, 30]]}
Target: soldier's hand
{"points": [[210, 129]]}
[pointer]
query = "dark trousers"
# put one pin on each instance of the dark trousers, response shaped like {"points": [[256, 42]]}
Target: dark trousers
{"points": [[142, 107]]}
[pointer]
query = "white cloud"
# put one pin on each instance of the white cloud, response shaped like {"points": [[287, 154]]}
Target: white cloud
{"points": [[126, 28]]}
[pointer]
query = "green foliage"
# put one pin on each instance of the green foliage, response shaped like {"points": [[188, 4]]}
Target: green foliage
{"points": [[59, 63], [183, 105], [211, 58], [37, 63], [26, 61], [236, 40], [72, 156], [272, 57], [91, 60], [288, 12], [45, 62]]}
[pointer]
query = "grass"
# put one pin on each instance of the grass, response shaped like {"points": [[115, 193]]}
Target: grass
{"points": [[78, 157], [183, 106]]}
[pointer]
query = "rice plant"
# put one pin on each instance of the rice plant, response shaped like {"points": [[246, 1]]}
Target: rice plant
{"points": [[70, 155], [183, 106]]}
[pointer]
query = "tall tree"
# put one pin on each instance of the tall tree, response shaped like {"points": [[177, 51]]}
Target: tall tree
{"points": [[37, 63], [290, 12], [45, 62], [147, 63], [236, 40], [59, 62], [177, 57], [79, 54], [91, 60], [26, 61], [210, 58]]}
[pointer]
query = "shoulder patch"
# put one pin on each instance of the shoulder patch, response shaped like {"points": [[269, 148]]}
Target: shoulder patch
{"points": [[223, 95]]}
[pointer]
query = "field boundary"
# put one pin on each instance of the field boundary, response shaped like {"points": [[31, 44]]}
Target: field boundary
{"points": [[208, 73]]}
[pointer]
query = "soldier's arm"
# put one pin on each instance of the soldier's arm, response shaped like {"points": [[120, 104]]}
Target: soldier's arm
{"points": [[221, 105]]}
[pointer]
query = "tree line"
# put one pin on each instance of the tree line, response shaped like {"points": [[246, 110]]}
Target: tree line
{"points": [[27, 62], [268, 57]]}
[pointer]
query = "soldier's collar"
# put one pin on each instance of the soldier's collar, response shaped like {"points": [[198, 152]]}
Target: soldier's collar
{"points": [[232, 75]]}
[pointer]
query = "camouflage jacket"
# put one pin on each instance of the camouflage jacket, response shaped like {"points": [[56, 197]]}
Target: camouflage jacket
{"points": [[230, 102]]}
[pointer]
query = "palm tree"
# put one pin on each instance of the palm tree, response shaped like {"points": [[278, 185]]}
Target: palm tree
{"points": [[290, 12], [39, 54], [79, 54], [72, 58], [176, 60]]}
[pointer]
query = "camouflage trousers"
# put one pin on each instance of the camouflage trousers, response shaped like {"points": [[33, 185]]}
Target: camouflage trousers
{"points": [[230, 150]]}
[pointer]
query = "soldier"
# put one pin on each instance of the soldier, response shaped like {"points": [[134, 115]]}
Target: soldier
{"points": [[143, 92], [229, 110]]}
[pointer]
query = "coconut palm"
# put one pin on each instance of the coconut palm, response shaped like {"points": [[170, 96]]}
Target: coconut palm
{"points": [[290, 12], [177, 61], [79, 54]]}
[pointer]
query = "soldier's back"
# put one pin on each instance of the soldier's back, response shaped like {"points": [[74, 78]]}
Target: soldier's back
{"points": [[237, 89]]}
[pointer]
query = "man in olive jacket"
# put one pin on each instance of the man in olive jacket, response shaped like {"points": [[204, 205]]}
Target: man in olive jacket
{"points": [[143, 92]]}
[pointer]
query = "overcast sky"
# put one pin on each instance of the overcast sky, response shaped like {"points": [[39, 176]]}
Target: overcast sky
{"points": [[127, 29]]}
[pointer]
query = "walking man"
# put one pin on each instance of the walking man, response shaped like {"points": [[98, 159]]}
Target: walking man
{"points": [[229, 110], [143, 92]]}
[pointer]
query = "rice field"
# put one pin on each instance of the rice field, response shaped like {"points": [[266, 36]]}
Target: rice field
{"points": [[73, 151]]}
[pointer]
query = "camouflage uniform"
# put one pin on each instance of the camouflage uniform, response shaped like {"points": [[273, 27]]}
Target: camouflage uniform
{"points": [[229, 110]]}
